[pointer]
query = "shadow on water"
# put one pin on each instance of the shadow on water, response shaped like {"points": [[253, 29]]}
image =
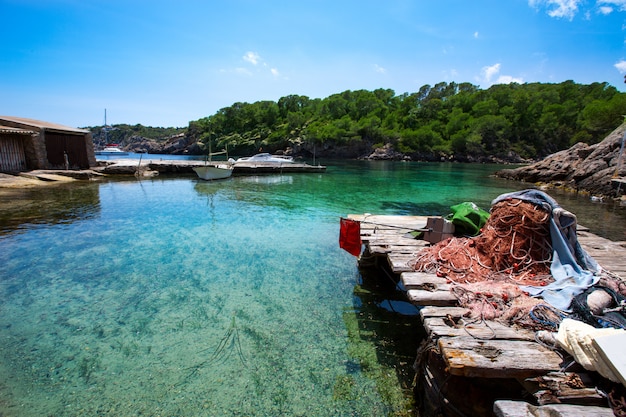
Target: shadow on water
{"points": [[384, 333], [57, 204]]}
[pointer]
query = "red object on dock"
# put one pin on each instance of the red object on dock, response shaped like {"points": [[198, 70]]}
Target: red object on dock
{"points": [[350, 236]]}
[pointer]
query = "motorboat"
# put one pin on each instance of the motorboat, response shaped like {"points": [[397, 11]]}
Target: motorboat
{"points": [[265, 158], [214, 172], [111, 149]]}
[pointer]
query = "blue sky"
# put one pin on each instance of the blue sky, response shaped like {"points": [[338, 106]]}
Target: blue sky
{"points": [[165, 63]]}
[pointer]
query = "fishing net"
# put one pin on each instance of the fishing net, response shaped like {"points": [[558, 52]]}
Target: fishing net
{"points": [[514, 248]]}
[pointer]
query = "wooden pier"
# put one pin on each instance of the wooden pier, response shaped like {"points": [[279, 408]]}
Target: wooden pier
{"points": [[169, 166], [481, 368]]}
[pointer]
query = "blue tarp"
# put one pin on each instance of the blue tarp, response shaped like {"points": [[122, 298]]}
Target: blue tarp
{"points": [[572, 268]]}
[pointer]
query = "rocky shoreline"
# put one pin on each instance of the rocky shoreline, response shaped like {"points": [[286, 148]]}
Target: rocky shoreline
{"points": [[597, 169]]}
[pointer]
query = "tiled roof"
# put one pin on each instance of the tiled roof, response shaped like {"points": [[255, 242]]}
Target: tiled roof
{"points": [[9, 129], [40, 124]]}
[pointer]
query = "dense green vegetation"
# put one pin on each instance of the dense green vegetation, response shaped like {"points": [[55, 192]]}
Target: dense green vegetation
{"points": [[448, 119]]}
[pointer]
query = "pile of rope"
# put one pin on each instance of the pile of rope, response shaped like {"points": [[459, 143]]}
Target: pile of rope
{"points": [[513, 248]]}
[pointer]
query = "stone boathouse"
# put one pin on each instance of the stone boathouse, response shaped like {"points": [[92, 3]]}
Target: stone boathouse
{"points": [[28, 144]]}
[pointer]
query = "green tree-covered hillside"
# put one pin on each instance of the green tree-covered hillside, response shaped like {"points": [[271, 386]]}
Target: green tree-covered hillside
{"points": [[446, 120]]}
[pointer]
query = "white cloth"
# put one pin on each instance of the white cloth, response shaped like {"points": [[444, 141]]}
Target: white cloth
{"points": [[577, 338]]}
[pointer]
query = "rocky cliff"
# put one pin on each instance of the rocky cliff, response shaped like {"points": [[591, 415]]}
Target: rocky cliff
{"points": [[175, 145], [582, 168]]}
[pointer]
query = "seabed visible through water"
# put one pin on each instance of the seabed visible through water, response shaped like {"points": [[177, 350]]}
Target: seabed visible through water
{"points": [[171, 296]]}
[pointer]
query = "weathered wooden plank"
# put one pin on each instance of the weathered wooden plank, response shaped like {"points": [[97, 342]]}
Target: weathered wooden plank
{"points": [[393, 239], [392, 221], [438, 327], [383, 230], [466, 356], [506, 408], [401, 244], [388, 234], [407, 254], [405, 251], [400, 263], [564, 387], [427, 289], [433, 311], [423, 280], [431, 298], [610, 255], [607, 259], [410, 226], [418, 245]]}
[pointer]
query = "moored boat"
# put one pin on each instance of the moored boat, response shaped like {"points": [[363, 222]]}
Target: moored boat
{"points": [[111, 149], [214, 172], [265, 158]]}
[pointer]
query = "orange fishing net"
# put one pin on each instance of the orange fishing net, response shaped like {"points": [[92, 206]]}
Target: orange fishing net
{"points": [[514, 248]]}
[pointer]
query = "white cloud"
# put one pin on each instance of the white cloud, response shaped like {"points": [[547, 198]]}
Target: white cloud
{"points": [[489, 72], [379, 69], [508, 79], [255, 59], [620, 4], [621, 66], [569, 8], [558, 8], [605, 10], [252, 57], [475, 35], [491, 75]]}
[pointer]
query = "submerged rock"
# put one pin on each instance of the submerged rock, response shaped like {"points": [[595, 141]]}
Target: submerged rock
{"points": [[586, 168]]}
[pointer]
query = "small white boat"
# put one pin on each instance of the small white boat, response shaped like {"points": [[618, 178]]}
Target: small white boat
{"points": [[265, 158], [214, 172], [111, 149]]}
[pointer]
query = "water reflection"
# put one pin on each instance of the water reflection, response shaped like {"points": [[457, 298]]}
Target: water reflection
{"points": [[260, 190], [57, 204], [383, 335], [606, 219], [268, 179]]}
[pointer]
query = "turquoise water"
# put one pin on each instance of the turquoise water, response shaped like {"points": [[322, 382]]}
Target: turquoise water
{"points": [[175, 297]]}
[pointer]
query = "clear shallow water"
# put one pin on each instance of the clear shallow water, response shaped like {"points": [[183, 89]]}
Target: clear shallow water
{"points": [[172, 296]]}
